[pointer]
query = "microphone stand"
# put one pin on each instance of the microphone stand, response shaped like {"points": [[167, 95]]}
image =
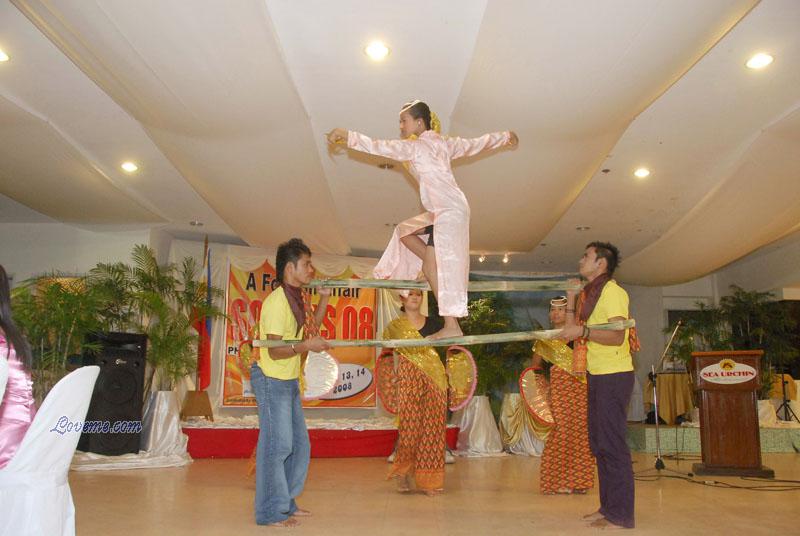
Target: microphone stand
{"points": [[785, 405], [653, 377]]}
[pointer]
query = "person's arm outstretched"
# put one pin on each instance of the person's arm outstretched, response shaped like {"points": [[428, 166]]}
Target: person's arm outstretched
{"points": [[460, 147], [400, 150]]}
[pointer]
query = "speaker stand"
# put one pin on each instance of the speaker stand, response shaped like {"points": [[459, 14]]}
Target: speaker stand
{"points": [[197, 404]]}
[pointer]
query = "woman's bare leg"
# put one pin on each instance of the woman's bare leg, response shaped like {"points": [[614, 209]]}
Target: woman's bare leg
{"points": [[415, 244], [429, 269]]}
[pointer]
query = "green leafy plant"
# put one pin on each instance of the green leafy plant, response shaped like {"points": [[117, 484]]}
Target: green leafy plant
{"points": [[744, 320], [162, 301], [499, 365], [56, 312]]}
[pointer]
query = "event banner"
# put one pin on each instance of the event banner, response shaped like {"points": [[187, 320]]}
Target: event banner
{"points": [[350, 314]]}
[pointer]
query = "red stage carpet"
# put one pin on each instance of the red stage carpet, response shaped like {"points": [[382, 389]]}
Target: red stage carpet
{"points": [[239, 442]]}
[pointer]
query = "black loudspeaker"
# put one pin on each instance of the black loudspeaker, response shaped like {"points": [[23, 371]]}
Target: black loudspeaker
{"points": [[114, 420]]}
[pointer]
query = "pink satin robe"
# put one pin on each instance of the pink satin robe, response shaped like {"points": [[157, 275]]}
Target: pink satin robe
{"points": [[17, 407], [429, 159]]}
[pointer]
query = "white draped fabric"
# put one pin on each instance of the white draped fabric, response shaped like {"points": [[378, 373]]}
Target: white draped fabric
{"points": [[527, 444], [35, 498], [163, 443], [766, 413], [478, 434], [636, 406]]}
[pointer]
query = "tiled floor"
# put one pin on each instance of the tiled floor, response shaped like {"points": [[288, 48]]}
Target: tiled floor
{"points": [[484, 496]]}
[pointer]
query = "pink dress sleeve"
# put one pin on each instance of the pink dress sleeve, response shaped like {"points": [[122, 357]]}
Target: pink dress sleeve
{"points": [[400, 150], [460, 147]]}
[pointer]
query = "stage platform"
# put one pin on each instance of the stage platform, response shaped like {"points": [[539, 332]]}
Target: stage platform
{"points": [[642, 438], [364, 440]]}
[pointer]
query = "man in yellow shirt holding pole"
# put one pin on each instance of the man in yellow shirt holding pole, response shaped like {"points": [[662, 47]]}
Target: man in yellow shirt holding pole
{"points": [[608, 361], [284, 450]]}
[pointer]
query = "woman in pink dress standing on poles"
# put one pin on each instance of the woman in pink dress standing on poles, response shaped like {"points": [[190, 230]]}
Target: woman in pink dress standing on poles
{"points": [[412, 246]]}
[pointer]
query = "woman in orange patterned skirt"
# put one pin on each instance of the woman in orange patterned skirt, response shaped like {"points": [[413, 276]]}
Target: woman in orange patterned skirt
{"points": [[567, 463], [422, 403]]}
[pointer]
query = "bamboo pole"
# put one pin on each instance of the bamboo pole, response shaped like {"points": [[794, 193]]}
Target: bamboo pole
{"points": [[473, 286], [463, 340]]}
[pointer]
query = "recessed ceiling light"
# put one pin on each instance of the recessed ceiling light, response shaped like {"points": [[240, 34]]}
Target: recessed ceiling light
{"points": [[759, 61], [386, 165], [3, 56], [130, 167], [582, 228], [196, 223], [377, 51], [642, 172], [482, 258], [505, 258]]}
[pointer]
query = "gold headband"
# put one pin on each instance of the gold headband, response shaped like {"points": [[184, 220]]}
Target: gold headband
{"points": [[410, 105], [558, 301]]}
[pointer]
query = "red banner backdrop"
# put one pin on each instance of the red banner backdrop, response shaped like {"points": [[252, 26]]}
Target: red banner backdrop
{"points": [[350, 314]]}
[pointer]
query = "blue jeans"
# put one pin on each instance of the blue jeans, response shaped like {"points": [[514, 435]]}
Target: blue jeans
{"points": [[283, 450]]}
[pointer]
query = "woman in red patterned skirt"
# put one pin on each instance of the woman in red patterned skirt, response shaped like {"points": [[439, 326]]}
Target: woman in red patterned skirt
{"points": [[567, 463], [422, 403]]}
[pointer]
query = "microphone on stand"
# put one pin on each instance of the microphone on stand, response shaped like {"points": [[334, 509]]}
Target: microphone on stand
{"points": [[666, 349]]}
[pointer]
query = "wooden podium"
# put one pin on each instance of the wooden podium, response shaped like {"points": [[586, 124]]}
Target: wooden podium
{"points": [[727, 385]]}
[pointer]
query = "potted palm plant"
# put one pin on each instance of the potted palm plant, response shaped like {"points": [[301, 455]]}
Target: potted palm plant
{"points": [[744, 320], [56, 312], [163, 302], [499, 365]]}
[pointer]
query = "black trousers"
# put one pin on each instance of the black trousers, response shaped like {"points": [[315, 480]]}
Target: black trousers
{"points": [[609, 396]]}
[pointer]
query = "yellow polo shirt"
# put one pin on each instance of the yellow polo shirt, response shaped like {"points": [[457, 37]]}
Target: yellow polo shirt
{"points": [[601, 358], [277, 319]]}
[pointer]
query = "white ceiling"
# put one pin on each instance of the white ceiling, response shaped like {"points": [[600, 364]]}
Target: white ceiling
{"points": [[224, 105]]}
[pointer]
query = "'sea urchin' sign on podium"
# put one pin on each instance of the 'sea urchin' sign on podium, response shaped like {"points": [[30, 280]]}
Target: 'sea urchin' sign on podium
{"points": [[727, 385]]}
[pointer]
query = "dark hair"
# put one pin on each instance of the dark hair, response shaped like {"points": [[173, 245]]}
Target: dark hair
{"points": [[420, 110], [402, 298], [607, 251], [12, 333], [289, 252]]}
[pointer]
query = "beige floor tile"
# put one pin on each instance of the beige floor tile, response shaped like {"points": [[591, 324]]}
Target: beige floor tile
{"points": [[485, 496]]}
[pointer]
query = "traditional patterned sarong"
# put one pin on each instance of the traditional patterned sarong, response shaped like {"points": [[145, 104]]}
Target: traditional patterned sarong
{"points": [[422, 400], [567, 462]]}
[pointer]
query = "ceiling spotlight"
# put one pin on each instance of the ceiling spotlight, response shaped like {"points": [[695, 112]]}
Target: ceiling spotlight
{"points": [[3, 56], [482, 258], [642, 172], [196, 223], [759, 61], [377, 51], [505, 258], [582, 228], [386, 165], [130, 167]]}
